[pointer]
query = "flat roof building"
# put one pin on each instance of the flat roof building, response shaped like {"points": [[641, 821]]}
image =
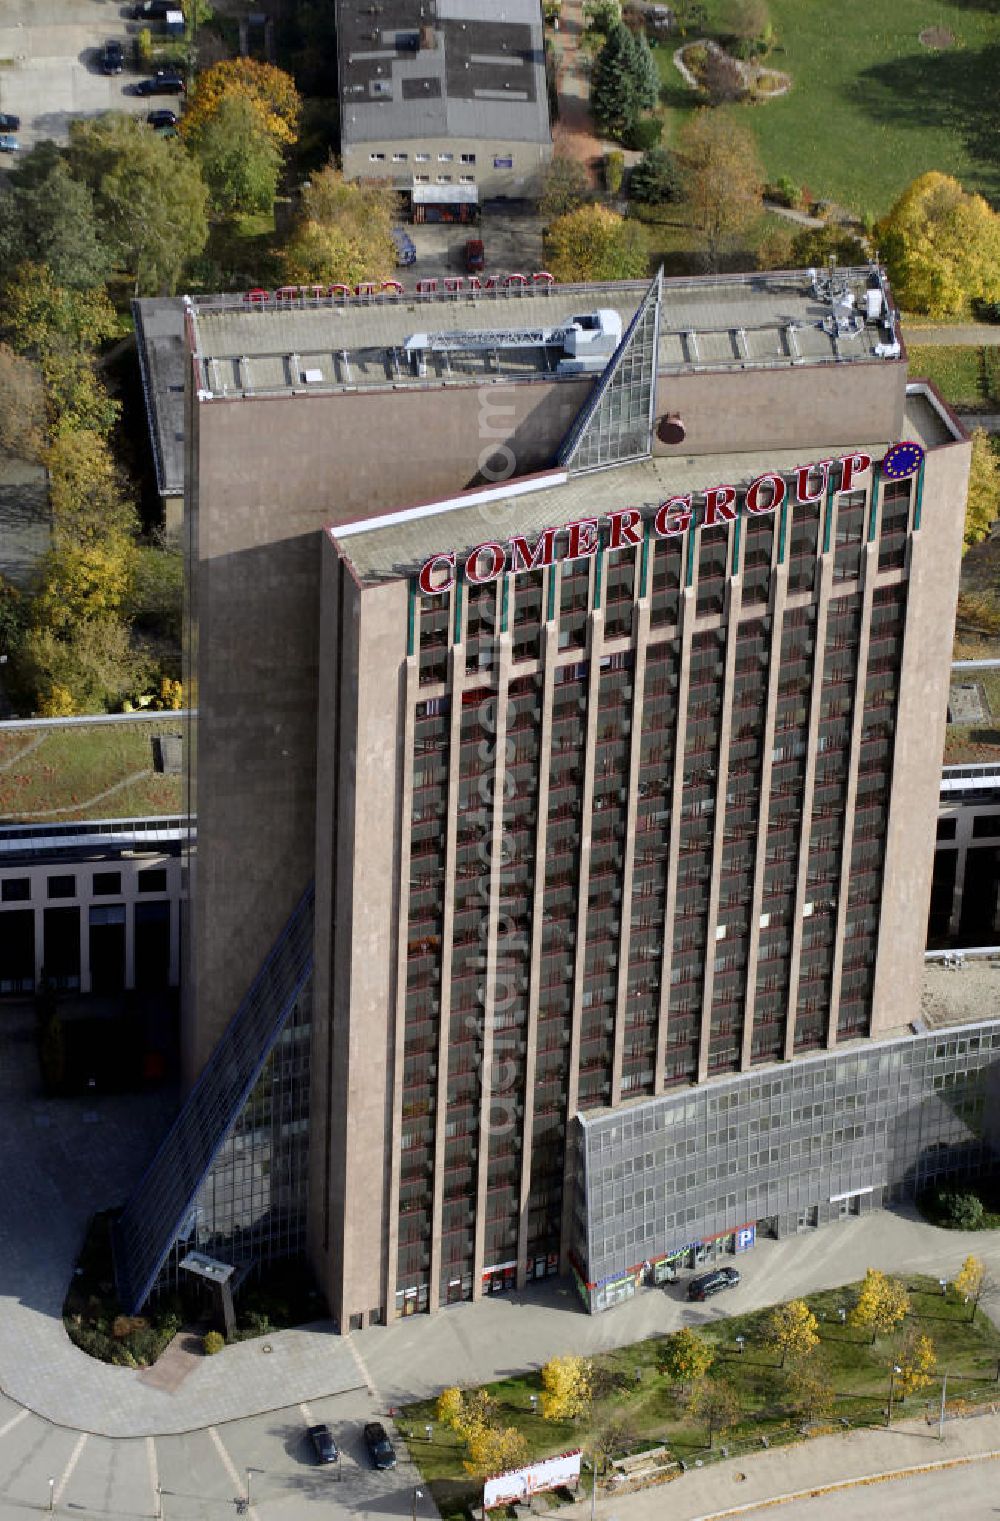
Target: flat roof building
{"points": [[447, 98], [571, 669]]}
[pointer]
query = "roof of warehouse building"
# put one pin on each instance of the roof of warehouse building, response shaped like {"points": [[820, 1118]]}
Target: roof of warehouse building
{"points": [[266, 344], [442, 68]]}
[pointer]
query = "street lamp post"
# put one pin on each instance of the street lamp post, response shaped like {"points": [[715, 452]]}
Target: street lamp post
{"points": [[534, 1403], [159, 1500], [943, 1285], [428, 1431], [418, 1494], [52, 1495], [892, 1375], [740, 1340]]}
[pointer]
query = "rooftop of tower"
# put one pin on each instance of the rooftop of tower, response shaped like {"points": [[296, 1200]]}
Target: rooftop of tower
{"points": [[304, 340], [395, 545]]}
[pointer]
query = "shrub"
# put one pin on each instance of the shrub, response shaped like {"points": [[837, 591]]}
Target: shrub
{"points": [[655, 178], [125, 1326], [786, 191], [644, 134], [614, 171], [212, 1342], [962, 1211]]}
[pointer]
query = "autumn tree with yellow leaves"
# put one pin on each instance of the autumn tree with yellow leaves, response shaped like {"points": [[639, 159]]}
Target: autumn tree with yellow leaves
{"points": [[269, 90], [343, 234], [566, 1387], [881, 1305], [793, 1328], [916, 1361], [941, 247], [970, 1281]]}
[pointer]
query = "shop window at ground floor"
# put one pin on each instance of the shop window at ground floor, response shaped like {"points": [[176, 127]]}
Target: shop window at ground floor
{"points": [[62, 947], [107, 947], [17, 951], [152, 946]]}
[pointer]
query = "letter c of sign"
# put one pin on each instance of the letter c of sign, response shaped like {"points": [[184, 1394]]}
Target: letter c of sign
{"points": [[424, 580], [498, 558]]}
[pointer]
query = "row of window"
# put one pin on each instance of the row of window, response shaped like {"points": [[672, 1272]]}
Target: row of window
{"points": [[423, 158], [104, 883]]}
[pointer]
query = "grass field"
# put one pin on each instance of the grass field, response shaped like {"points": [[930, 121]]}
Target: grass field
{"points": [[967, 376], [870, 107], [679, 246], [633, 1391], [85, 772]]}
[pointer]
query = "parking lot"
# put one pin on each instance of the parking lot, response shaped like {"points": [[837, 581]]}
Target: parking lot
{"points": [[206, 1474], [511, 234], [49, 70]]}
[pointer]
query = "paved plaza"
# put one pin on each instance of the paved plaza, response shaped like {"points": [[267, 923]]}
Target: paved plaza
{"points": [[106, 1438]]}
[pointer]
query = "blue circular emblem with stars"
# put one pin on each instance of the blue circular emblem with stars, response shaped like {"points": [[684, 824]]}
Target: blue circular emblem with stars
{"points": [[901, 460]]}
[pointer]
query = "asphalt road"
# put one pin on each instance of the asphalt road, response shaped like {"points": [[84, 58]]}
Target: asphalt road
{"points": [[204, 1475]]}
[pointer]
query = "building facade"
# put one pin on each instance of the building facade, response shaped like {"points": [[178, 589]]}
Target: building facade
{"points": [[684, 1179], [965, 895], [605, 775]]}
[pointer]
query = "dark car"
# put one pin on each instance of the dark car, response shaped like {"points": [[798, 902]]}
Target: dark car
{"points": [[324, 1446], [713, 1283], [475, 255], [9, 123], [112, 58], [164, 121], [380, 1449], [163, 82], [154, 10]]}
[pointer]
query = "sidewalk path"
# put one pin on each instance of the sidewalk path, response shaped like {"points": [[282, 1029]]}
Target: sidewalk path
{"points": [[958, 333], [850, 1460], [573, 135]]}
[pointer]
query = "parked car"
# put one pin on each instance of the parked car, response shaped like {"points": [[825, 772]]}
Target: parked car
{"points": [[162, 120], [324, 1446], [475, 255], [708, 1284], [406, 250], [9, 143], [380, 1449], [112, 58], [9, 123], [154, 10], [163, 82]]}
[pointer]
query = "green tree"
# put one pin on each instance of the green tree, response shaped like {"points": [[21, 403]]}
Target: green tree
{"points": [[566, 1387], [748, 23], [149, 191], [941, 247], [655, 178], [717, 1404], [816, 244], [594, 243], [792, 1327], [722, 177], [239, 159], [42, 317], [51, 219], [344, 231], [810, 1395], [881, 1305], [982, 508], [89, 670], [565, 186], [686, 1357], [155, 596], [13, 617], [624, 81]]}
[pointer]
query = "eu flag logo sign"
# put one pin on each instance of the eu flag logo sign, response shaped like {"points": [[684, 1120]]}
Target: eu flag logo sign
{"points": [[901, 460]]}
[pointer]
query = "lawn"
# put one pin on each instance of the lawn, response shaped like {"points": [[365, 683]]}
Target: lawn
{"points": [[632, 1392], [674, 241], [86, 772], [966, 376], [870, 107]]}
